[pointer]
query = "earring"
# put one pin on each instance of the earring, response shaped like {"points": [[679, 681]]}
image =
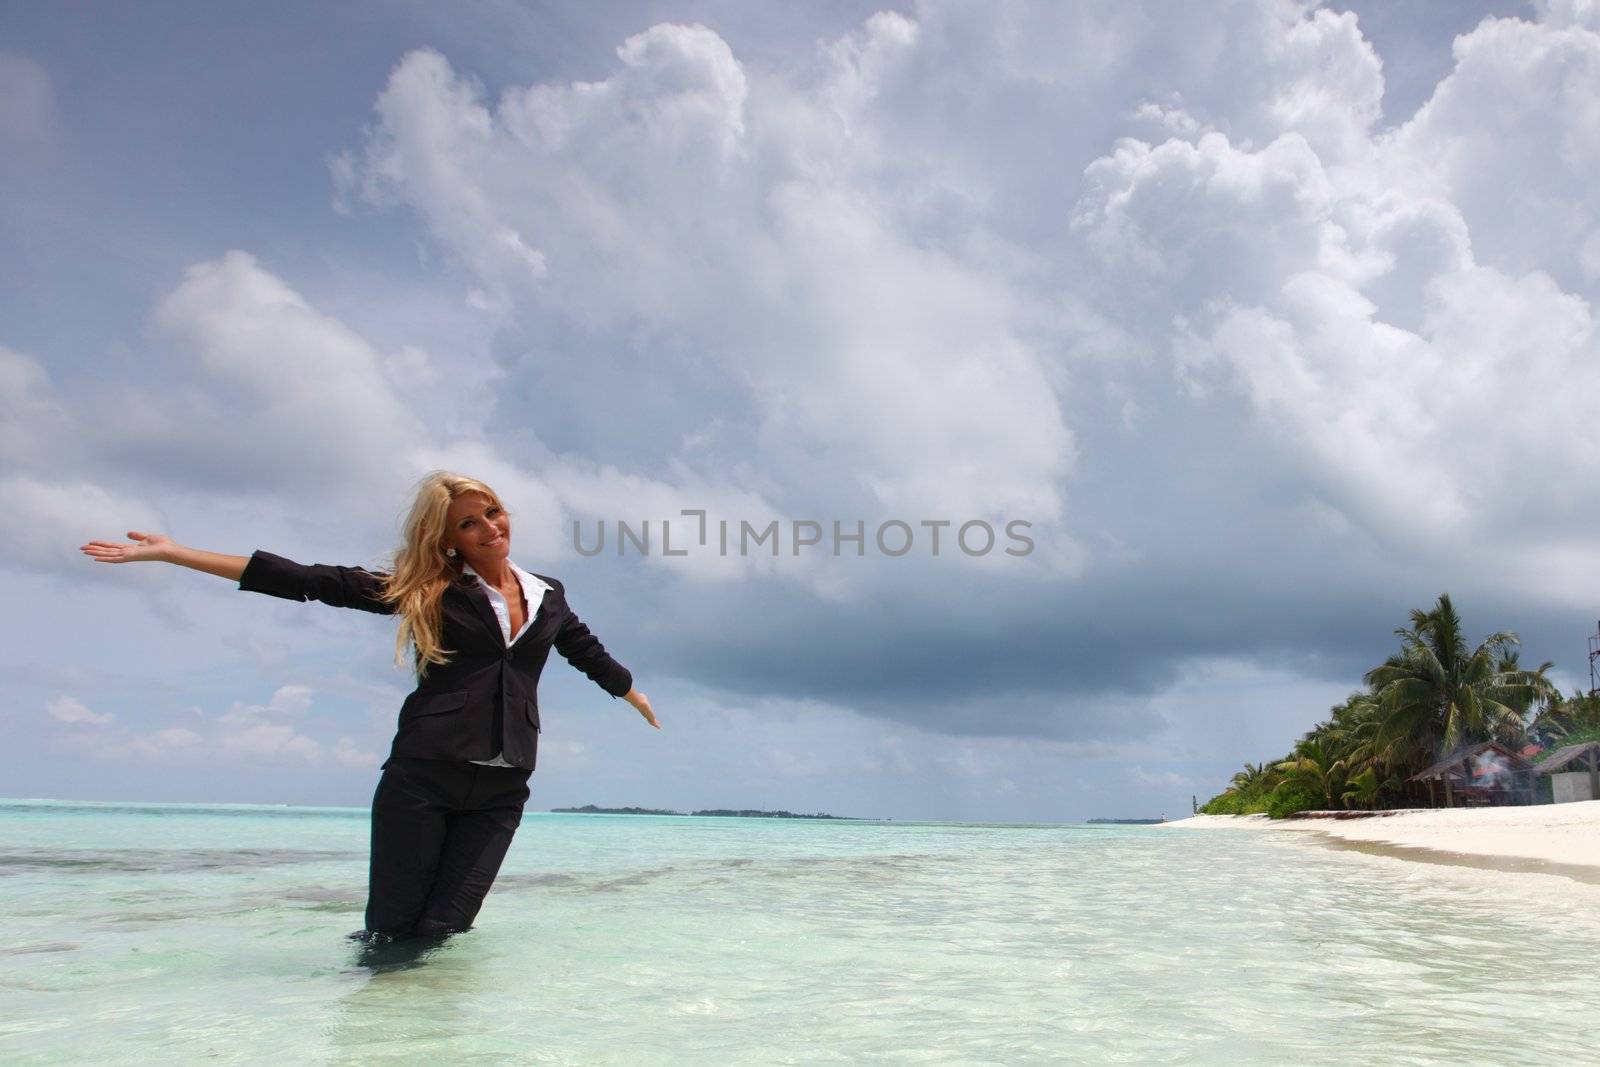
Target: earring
{"points": [[450, 552]]}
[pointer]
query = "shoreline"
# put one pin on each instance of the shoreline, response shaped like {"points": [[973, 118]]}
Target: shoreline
{"points": [[1548, 839]]}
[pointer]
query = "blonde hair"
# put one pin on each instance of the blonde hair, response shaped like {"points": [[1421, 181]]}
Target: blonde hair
{"points": [[422, 570]]}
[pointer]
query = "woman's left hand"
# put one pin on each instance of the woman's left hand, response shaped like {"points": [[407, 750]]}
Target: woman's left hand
{"points": [[642, 702]]}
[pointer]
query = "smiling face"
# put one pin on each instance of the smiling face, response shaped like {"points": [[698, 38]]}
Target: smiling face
{"points": [[479, 530]]}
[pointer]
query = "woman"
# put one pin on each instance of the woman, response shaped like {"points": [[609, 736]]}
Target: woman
{"points": [[477, 630]]}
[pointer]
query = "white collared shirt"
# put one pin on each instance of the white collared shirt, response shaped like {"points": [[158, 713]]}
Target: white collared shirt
{"points": [[533, 590]]}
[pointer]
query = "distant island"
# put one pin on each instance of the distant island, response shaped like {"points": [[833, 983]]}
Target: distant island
{"points": [[1129, 822], [741, 813]]}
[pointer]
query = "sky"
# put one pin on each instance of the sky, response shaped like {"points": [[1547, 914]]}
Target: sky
{"points": [[1269, 322]]}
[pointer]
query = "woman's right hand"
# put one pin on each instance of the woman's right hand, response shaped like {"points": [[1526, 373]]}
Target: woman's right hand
{"points": [[145, 546]]}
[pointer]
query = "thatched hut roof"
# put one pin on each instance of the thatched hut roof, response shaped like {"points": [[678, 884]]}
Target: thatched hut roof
{"points": [[1564, 757], [1513, 760]]}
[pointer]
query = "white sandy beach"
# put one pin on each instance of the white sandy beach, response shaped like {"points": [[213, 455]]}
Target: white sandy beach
{"points": [[1564, 835]]}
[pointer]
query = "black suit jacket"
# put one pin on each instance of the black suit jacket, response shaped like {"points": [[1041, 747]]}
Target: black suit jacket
{"points": [[485, 701]]}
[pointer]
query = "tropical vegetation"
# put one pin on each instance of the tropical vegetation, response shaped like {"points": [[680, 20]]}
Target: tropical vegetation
{"points": [[1435, 695]]}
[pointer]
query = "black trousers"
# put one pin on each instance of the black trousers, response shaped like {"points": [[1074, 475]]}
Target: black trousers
{"points": [[440, 829]]}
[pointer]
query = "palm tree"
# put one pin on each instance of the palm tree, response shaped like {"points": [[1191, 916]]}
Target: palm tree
{"points": [[1362, 789], [1562, 718], [1349, 724], [1531, 703], [1437, 694], [1251, 780], [1315, 765]]}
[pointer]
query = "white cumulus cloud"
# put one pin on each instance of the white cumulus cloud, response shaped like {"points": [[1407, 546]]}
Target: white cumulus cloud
{"points": [[72, 711]]}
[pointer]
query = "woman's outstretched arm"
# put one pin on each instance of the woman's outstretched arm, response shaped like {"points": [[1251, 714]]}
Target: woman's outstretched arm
{"points": [[260, 572], [160, 548]]}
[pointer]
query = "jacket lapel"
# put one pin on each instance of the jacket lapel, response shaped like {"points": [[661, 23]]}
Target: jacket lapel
{"points": [[543, 618], [481, 607]]}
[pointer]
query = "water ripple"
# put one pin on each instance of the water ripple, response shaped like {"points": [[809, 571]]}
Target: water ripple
{"points": [[145, 860], [631, 941]]}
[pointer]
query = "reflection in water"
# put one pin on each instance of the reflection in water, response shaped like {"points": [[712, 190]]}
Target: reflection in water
{"points": [[418, 998], [380, 953]]}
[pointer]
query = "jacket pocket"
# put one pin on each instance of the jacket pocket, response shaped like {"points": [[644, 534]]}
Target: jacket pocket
{"points": [[533, 715], [420, 704]]}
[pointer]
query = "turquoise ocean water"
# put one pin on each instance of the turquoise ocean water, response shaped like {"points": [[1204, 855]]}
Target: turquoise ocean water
{"points": [[179, 934]]}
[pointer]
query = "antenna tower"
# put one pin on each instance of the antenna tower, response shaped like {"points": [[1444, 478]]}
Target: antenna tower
{"points": [[1594, 662]]}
